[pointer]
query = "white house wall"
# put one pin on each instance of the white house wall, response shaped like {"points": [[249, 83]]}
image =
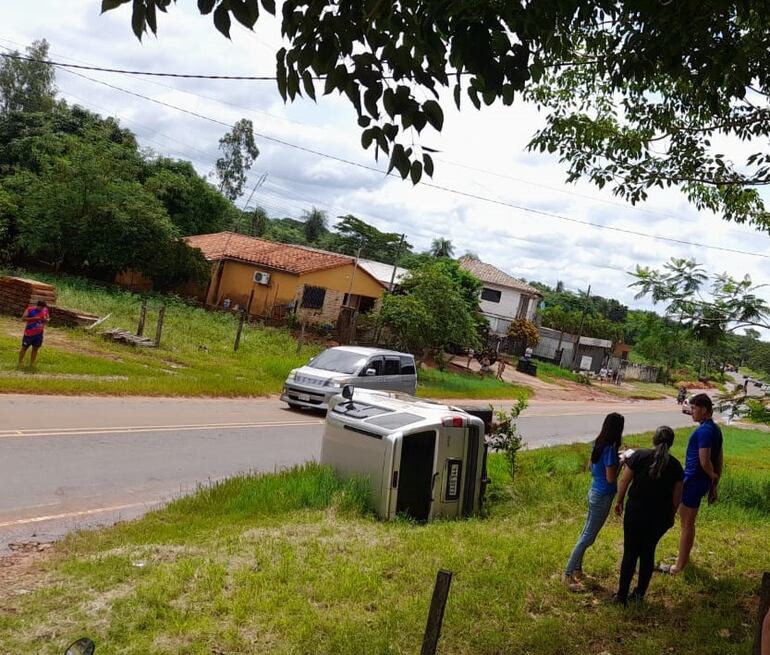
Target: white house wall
{"points": [[500, 314]]}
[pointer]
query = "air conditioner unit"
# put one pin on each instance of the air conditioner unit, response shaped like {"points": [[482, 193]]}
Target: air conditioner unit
{"points": [[261, 278]]}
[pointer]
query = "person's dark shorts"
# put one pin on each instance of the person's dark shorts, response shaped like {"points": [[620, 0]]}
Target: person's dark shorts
{"points": [[34, 341], [693, 491]]}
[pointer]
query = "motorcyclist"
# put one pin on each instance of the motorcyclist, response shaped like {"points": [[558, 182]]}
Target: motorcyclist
{"points": [[681, 395]]}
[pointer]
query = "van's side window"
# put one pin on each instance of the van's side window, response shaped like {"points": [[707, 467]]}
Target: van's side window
{"points": [[407, 366], [376, 364], [392, 366]]}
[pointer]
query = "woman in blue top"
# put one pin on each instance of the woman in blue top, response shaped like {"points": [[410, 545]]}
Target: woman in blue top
{"points": [[604, 474]]}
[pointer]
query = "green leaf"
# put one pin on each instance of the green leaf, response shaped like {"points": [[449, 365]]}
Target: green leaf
{"points": [[222, 20], [152, 21], [364, 121], [206, 6], [367, 136], [269, 5], [108, 5], [280, 66], [137, 19], [434, 114], [245, 12], [427, 161], [309, 84], [416, 171]]}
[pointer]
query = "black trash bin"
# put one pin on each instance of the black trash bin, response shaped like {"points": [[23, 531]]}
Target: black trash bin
{"points": [[526, 366]]}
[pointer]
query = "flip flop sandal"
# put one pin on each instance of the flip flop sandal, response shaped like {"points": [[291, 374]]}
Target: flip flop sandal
{"points": [[668, 569]]}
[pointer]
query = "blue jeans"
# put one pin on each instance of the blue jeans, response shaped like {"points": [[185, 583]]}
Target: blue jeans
{"points": [[599, 506]]}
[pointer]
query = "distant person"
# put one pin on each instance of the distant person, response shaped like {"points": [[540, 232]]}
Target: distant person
{"points": [[653, 479], [528, 352], [702, 470], [500, 369], [471, 353], [36, 318], [604, 466]]}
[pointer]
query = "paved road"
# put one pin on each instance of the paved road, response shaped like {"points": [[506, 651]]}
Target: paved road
{"points": [[69, 463]]}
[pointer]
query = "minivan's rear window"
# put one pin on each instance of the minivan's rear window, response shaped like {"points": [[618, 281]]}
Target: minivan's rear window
{"points": [[339, 361]]}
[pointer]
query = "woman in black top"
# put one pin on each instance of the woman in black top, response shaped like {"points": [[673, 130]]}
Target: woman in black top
{"points": [[655, 480]]}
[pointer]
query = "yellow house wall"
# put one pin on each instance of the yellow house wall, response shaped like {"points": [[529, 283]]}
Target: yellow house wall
{"points": [[285, 288]]}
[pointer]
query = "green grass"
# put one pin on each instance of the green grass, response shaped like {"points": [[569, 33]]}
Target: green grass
{"points": [[549, 372], [641, 390], [432, 383], [293, 563], [196, 356]]}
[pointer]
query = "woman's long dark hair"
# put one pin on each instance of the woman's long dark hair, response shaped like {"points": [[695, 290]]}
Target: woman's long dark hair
{"points": [[611, 434], [663, 440]]}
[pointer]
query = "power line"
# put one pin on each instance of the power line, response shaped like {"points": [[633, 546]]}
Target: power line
{"points": [[624, 206], [434, 185]]}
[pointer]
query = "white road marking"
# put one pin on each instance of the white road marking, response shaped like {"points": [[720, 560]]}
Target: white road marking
{"points": [[72, 515], [67, 432]]}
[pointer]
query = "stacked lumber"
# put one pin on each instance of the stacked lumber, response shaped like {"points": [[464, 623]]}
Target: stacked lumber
{"points": [[16, 294], [124, 336], [62, 317]]}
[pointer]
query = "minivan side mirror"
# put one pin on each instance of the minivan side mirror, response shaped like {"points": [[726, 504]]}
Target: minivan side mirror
{"points": [[370, 371], [347, 392]]}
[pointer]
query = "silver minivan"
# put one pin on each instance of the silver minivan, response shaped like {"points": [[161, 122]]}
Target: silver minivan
{"points": [[313, 385]]}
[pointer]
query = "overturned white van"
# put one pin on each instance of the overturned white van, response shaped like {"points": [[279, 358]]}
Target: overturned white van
{"points": [[423, 460]]}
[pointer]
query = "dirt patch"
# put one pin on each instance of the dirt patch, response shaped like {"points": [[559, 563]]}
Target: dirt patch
{"points": [[21, 571]]}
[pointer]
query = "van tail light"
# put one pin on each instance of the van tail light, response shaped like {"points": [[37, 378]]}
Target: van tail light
{"points": [[453, 422]]}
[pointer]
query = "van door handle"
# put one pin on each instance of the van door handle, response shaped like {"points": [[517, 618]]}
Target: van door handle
{"points": [[433, 485]]}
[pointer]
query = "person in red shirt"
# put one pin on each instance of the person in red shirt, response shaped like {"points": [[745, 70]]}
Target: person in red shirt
{"points": [[36, 318]]}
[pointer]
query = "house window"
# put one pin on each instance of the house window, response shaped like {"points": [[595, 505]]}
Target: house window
{"points": [[313, 297], [491, 295]]}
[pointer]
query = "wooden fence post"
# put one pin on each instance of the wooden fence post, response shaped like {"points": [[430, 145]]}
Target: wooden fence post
{"points": [[159, 328], [436, 613], [239, 330], [142, 316], [764, 604]]}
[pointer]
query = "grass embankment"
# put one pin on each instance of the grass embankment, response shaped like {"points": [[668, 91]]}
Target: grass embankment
{"points": [[196, 356], [432, 383], [640, 390], [291, 563], [549, 372]]}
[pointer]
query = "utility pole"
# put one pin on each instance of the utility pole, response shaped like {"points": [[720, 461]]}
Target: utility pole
{"points": [[353, 274], [580, 330], [395, 262]]}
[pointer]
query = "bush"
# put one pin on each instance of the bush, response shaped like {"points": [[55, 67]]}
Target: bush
{"points": [[523, 330], [505, 436]]}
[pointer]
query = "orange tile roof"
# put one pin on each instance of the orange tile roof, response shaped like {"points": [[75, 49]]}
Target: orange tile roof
{"points": [[493, 275], [279, 256]]}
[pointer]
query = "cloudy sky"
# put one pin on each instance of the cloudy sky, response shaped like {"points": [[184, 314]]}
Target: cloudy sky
{"points": [[482, 153]]}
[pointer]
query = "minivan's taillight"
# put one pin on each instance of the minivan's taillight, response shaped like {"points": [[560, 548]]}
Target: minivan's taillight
{"points": [[453, 421]]}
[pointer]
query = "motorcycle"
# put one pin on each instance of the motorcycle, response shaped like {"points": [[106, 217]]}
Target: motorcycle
{"points": [[83, 646], [681, 396]]}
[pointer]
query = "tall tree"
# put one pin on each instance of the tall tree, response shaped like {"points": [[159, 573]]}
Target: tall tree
{"points": [[238, 154], [441, 247], [316, 222], [616, 79], [351, 234], [27, 85]]}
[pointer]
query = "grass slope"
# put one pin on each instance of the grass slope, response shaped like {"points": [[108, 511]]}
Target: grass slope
{"points": [[292, 563], [447, 384], [196, 357]]}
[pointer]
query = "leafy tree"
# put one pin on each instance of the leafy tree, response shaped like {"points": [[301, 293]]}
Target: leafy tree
{"points": [[616, 80], [258, 221], [192, 203], [471, 255], [351, 233], [430, 312], [681, 286], [315, 224], [27, 86], [525, 331], [238, 154], [7, 212], [441, 248]]}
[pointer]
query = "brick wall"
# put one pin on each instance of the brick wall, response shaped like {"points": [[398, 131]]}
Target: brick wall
{"points": [[329, 313]]}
